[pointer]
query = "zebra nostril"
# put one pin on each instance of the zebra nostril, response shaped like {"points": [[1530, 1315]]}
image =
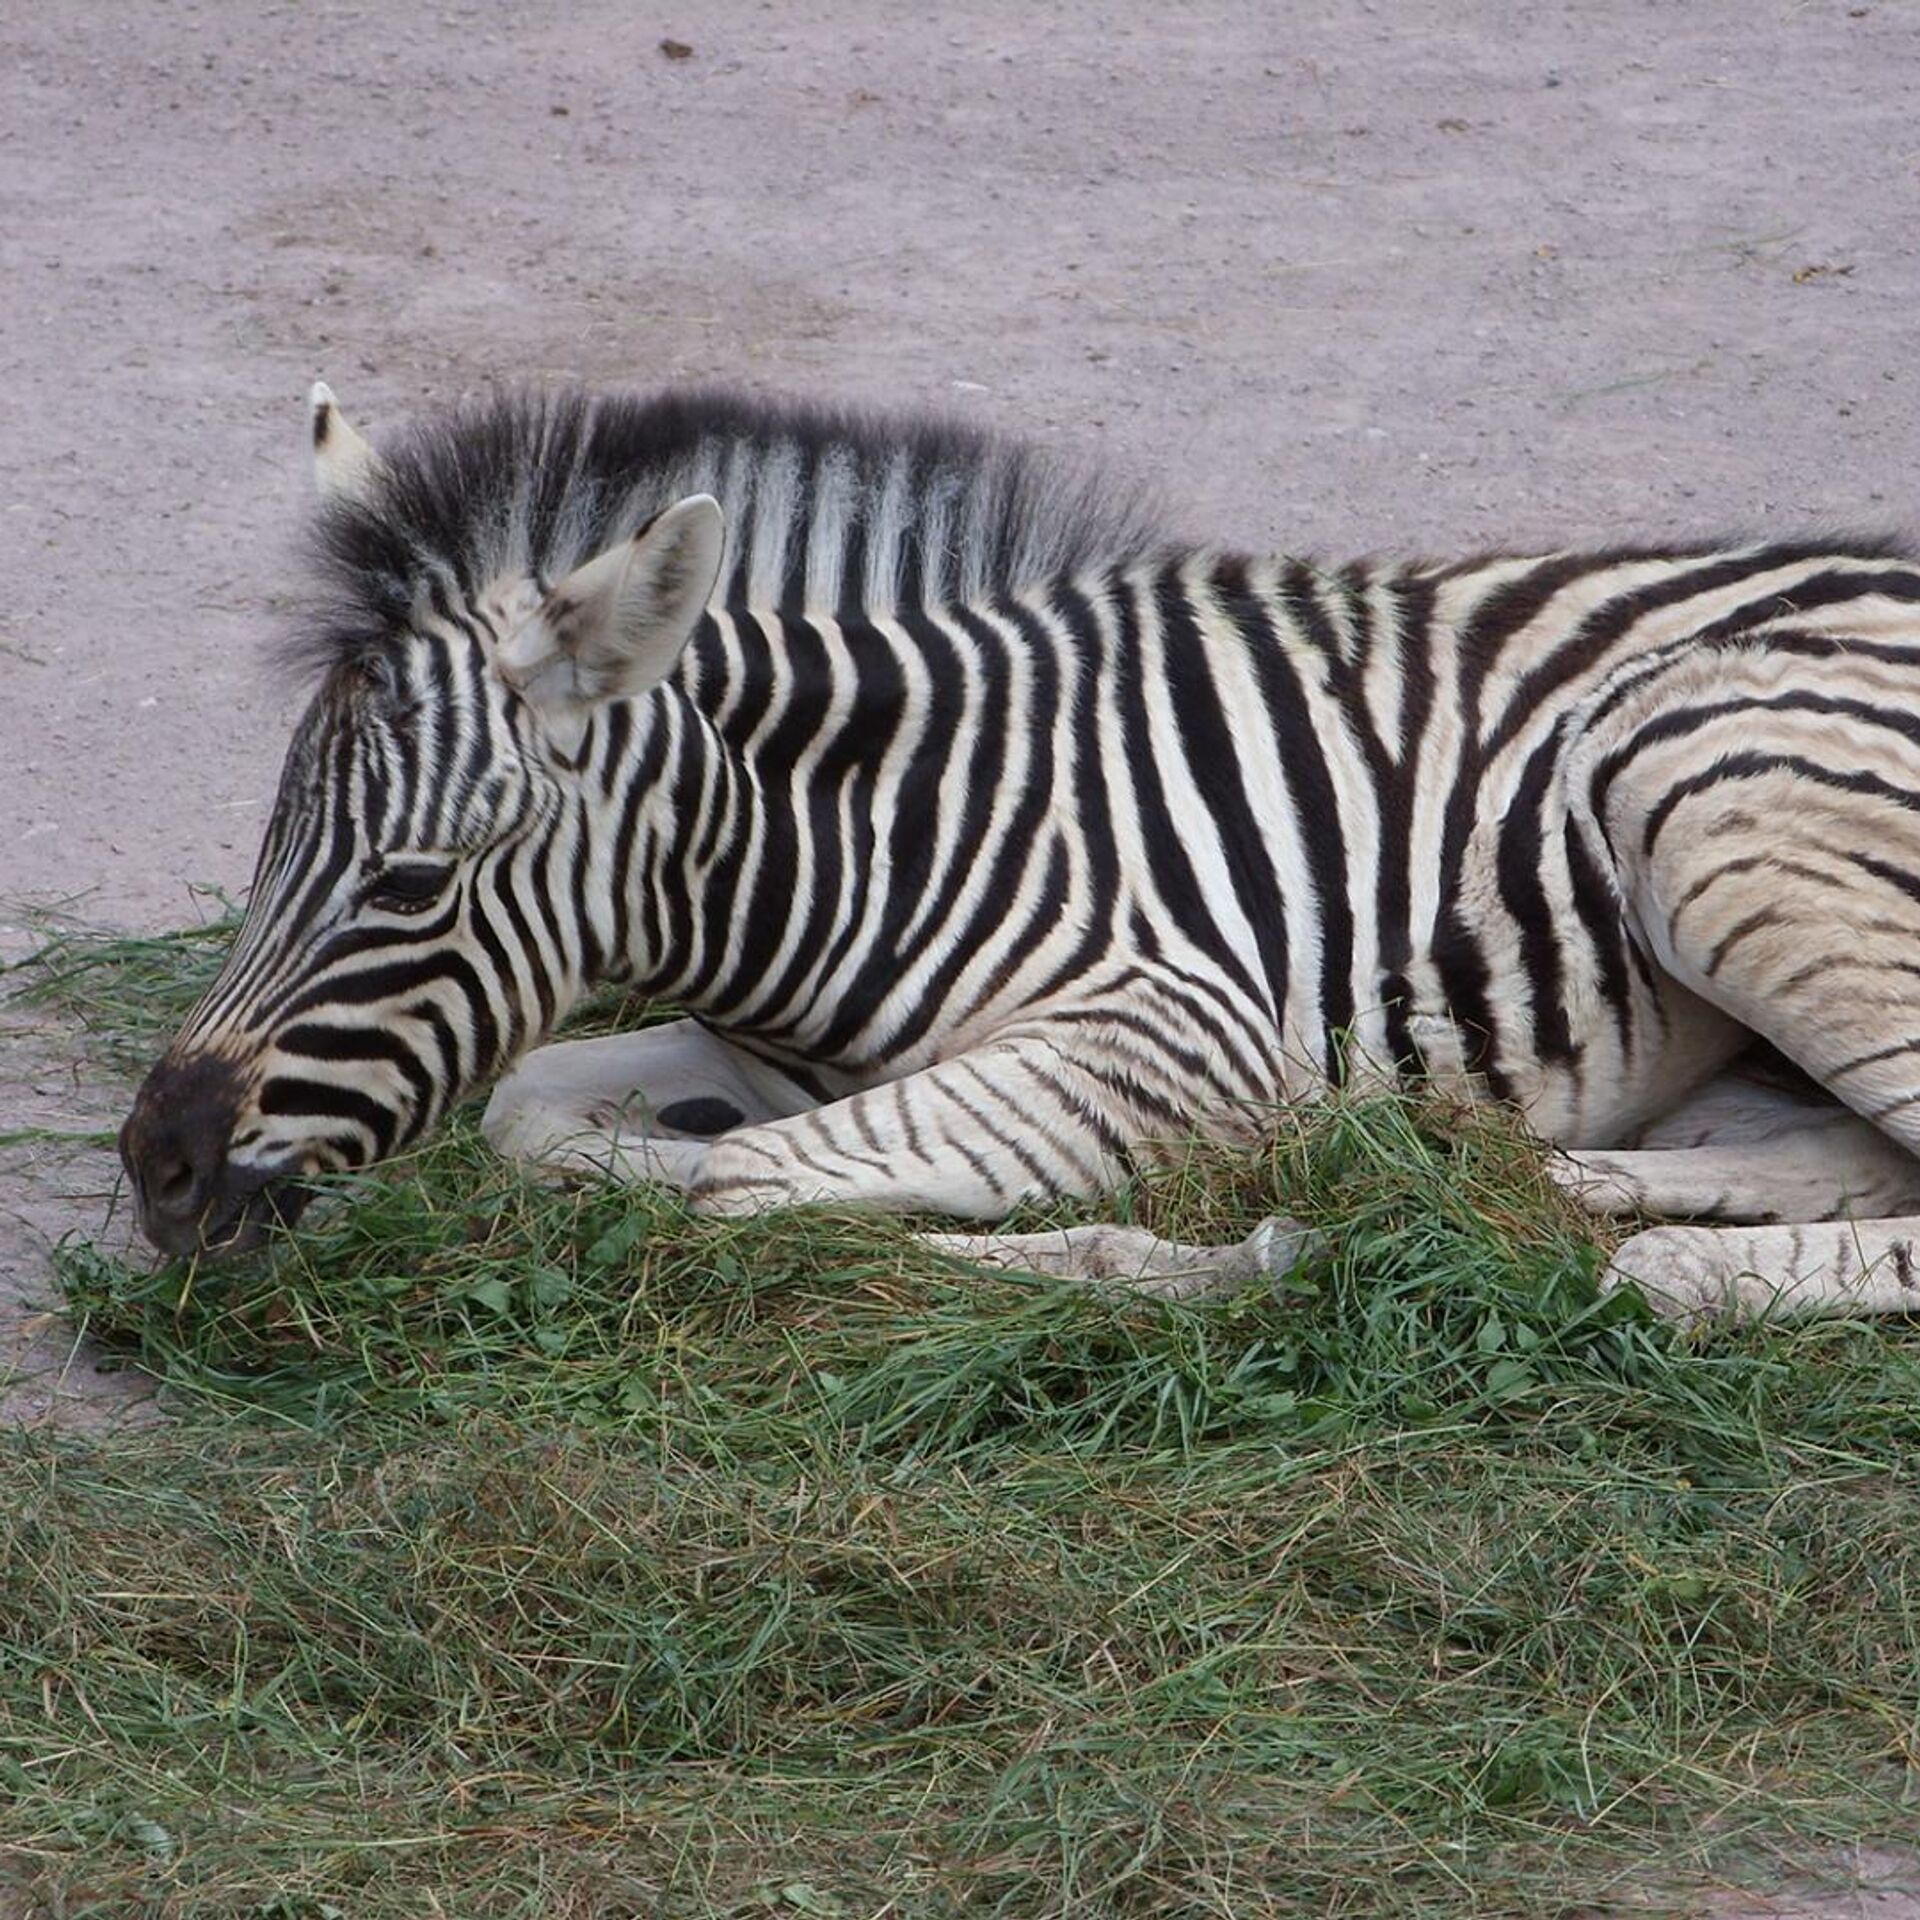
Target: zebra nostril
{"points": [[173, 1184]]}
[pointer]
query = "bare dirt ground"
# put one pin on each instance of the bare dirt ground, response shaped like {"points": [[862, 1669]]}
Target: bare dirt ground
{"points": [[1353, 275]]}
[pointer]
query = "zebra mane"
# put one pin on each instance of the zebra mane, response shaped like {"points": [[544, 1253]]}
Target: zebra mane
{"points": [[825, 508]]}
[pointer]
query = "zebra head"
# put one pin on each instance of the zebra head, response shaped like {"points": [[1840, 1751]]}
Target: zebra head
{"points": [[416, 916]]}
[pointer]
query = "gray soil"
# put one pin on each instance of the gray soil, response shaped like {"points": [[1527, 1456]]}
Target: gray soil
{"points": [[1359, 275]]}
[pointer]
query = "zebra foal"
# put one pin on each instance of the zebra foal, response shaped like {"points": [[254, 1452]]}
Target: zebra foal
{"points": [[993, 842]]}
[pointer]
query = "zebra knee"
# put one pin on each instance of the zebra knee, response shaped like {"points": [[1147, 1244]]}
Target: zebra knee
{"points": [[553, 1138], [519, 1127]]}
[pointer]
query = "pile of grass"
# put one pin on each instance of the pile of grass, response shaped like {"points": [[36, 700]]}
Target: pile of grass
{"points": [[514, 1550]]}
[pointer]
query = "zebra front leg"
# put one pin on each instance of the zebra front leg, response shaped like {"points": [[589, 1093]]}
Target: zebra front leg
{"points": [[1016, 1119], [640, 1106], [1132, 1260], [975, 1136]]}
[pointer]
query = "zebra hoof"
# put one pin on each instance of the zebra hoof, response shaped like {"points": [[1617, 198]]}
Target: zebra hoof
{"points": [[1278, 1247], [1686, 1276]]}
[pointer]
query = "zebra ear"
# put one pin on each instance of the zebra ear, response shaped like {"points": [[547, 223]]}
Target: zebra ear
{"points": [[619, 624], [344, 465]]}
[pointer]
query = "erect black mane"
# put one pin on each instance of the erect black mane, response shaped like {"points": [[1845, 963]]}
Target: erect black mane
{"points": [[825, 508]]}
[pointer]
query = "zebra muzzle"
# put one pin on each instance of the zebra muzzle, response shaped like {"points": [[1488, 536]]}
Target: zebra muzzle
{"points": [[175, 1146]]}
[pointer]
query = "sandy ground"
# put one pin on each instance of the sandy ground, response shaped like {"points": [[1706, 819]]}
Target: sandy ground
{"points": [[1346, 275]]}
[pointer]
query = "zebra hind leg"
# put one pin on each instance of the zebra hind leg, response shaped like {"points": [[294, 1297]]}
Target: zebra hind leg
{"points": [[1761, 1157], [1749, 1152], [1788, 896]]}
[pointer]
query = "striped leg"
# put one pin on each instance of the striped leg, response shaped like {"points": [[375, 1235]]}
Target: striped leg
{"points": [[973, 1135]]}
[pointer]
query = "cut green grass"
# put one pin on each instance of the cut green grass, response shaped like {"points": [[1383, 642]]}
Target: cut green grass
{"points": [[521, 1550], [127, 992]]}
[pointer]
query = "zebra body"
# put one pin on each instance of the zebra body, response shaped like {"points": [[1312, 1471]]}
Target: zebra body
{"points": [[995, 842]]}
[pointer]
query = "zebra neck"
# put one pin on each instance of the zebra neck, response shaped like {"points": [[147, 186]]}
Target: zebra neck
{"points": [[723, 840]]}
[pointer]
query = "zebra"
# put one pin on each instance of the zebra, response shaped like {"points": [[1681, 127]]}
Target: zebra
{"points": [[993, 841]]}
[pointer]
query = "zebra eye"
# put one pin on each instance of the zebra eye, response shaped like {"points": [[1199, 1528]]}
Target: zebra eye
{"points": [[409, 887]]}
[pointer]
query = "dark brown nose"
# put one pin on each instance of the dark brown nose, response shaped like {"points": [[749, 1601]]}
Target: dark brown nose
{"points": [[174, 1148]]}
